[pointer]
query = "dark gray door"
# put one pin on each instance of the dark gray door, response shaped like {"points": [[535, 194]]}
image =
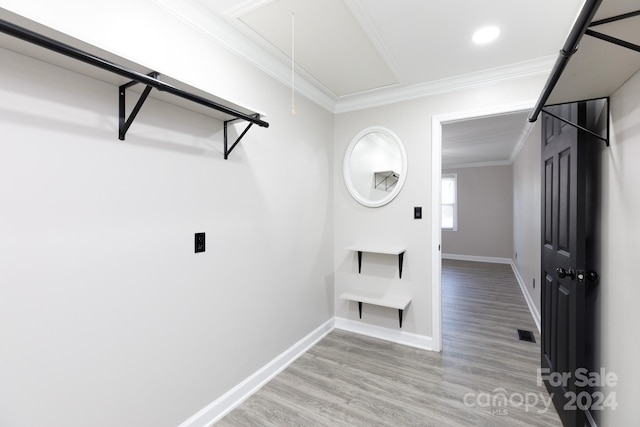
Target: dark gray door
{"points": [[567, 156]]}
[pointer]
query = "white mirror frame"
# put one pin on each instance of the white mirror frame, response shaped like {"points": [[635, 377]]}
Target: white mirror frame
{"points": [[347, 173]]}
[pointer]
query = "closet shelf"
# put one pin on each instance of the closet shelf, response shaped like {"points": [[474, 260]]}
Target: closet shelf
{"points": [[399, 302], [600, 53], [396, 250], [219, 108]]}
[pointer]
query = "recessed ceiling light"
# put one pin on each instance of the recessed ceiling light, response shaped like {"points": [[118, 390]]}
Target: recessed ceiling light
{"points": [[486, 34]]}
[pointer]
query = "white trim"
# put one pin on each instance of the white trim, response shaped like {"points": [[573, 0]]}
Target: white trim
{"points": [[474, 258], [376, 98], [436, 232], [476, 164], [229, 32], [346, 167], [396, 336], [453, 175], [217, 409], [222, 31], [524, 135], [436, 172], [482, 112], [527, 297]]}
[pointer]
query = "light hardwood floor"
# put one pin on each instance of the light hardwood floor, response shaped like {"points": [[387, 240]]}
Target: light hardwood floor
{"points": [[352, 380]]}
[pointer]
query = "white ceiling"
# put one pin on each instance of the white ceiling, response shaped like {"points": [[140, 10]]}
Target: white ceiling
{"points": [[353, 54], [483, 141], [352, 47], [358, 53]]}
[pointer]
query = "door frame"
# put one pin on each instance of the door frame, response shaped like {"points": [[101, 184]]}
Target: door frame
{"points": [[437, 121]]}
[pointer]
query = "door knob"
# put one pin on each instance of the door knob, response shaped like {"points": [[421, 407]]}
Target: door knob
{"points": [[562, 273]]}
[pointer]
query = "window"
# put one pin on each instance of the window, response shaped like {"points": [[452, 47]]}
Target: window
{"points": [[449, 202]]}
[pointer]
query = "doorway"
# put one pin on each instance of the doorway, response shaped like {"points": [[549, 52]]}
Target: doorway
{"points": [[438, 122]]}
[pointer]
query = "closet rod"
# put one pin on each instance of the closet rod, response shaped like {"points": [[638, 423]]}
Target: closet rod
{"points": [[64, 49], [570, 47]]}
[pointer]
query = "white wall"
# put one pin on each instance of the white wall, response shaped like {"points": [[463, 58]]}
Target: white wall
{"points": [[527, 214], [107, 317], [618, 291], [394, 224], [485, 214], [616, 296]]}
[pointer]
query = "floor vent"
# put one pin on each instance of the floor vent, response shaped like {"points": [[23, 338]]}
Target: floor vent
{"points": [[526, 336]]}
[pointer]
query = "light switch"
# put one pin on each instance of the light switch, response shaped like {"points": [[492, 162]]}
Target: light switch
{"points": [[417, 212]]}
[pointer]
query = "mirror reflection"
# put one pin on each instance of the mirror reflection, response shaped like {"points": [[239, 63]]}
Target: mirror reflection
{"points": [[375, 166]]}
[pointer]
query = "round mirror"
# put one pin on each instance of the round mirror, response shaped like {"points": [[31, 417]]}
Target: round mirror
{"points": [[375, 166]]}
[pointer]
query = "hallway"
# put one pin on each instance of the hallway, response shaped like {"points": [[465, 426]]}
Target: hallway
{"points": [[485, 376]]}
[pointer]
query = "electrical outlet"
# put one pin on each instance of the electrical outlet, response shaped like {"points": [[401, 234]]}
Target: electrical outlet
{"points": [[199, 242]]}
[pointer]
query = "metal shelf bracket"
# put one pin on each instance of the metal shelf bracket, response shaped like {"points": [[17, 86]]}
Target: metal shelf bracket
{"points": [[583, 26], [151, 81], [123, 122], [612, 39], [386, 178], [228, 150], [604, 139]]}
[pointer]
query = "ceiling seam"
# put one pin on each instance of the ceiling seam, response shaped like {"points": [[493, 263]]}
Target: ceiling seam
{"points": [[361, 16]]}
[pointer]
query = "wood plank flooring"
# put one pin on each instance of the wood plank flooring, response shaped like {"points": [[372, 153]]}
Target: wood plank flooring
{"points": [[352, 380]]}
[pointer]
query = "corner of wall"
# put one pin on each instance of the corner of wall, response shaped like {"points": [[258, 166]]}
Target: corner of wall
{"points": [[399, 337], [217, 409]]}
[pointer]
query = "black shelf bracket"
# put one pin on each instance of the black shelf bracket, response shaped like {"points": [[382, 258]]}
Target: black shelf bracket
{"points": [[123, 122], [400, 311], [582, 26], [386, 178], [400, 262], [604, 139], [569, 48], [228, 150], [151, 81], [609, 38]]}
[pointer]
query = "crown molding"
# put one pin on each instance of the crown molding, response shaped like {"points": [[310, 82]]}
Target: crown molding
{"points": [[275, 65], [524, 135], [446, 167], [222, 32], [536, 67]]}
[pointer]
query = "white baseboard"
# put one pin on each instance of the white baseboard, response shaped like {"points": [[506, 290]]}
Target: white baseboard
{"points": [[494, 260], [532, 306], [217, 409], [397, 336]]}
